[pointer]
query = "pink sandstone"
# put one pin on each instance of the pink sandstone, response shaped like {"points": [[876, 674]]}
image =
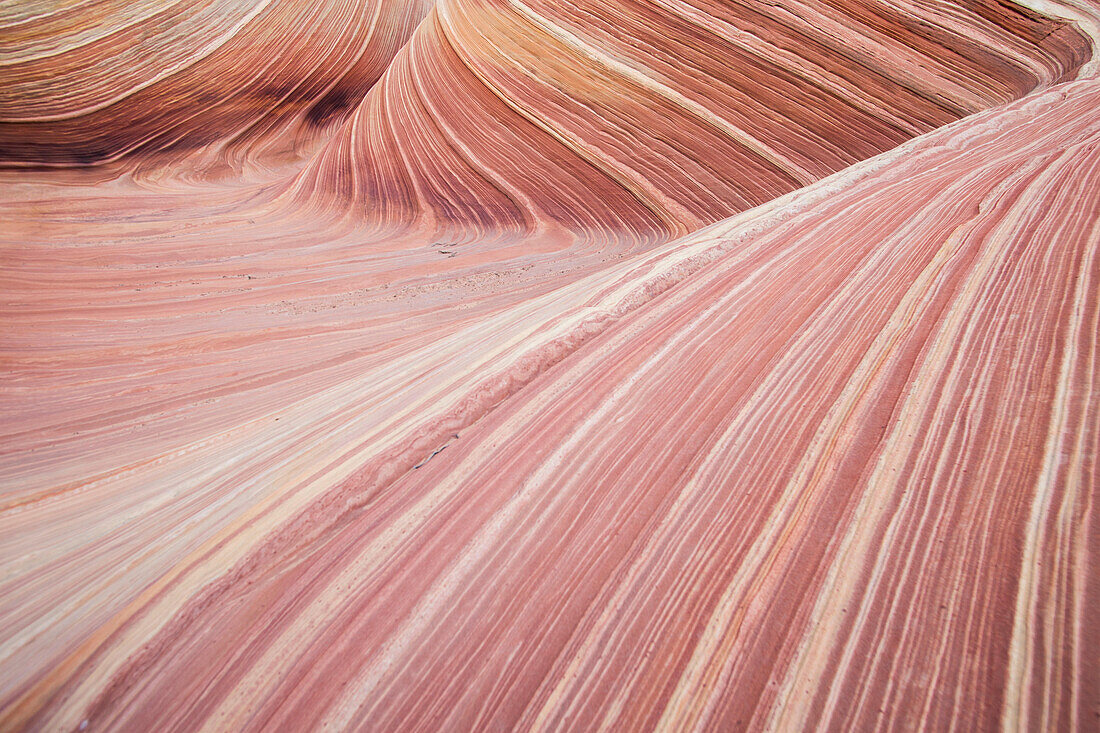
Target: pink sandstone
{"points": [[530, 365]]}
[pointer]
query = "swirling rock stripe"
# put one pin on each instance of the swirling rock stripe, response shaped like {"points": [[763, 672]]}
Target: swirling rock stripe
{"points": [[84, 83], [143, 362], [828, 463], [660, 117], [194, 421]]}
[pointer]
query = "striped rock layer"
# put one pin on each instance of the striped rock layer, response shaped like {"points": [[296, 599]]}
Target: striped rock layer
{"points": [[658, 117], [466, 421], [240, 81]]}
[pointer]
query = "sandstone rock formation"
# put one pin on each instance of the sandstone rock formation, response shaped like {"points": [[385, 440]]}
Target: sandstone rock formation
{"points": [[533, 365]]}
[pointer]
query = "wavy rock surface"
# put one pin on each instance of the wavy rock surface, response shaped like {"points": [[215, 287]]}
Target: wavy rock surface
{"points": [[239, 81], [658, 117], [445, 431]]}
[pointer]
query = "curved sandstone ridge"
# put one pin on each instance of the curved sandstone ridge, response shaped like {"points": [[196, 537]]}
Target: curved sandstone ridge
{"points": [[447, 431], [658, 117], [90, 82]]}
